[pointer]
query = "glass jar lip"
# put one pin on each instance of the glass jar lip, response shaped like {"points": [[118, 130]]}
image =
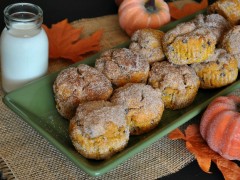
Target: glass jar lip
{"points": [[38, 15]]}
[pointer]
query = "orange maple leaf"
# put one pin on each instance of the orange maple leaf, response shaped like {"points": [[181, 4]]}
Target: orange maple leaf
{"points": [[65, 42], [204, 155], [181, 8]]}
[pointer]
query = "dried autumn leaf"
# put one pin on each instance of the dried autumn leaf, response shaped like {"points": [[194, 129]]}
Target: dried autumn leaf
{"points": [[176, 134], [204, 155], [183, 8], [65, 42]]}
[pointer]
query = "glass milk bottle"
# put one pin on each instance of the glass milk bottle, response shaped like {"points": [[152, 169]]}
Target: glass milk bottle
{"points": [[24, 46]]}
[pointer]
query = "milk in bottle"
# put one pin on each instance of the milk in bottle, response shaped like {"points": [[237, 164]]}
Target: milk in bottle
{"points": [[24, 46]]}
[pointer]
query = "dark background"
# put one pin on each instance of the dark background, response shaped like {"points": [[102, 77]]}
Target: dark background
{"points": [[57, 10]]}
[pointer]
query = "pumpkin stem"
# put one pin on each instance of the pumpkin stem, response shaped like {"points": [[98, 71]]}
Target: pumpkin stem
{"points": [[150, 6]]}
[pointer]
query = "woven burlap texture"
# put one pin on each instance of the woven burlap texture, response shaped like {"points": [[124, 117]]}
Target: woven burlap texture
{"points": [[27, 155]]}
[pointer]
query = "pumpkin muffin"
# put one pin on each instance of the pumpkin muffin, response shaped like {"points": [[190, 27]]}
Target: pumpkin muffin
{"points": [[122, 66], [144, 105], [75, 85], [148, 43], [179, 84], [231, 40], [215, 22], [187, 43], [227, 8], [219, 70], [99, 129]]}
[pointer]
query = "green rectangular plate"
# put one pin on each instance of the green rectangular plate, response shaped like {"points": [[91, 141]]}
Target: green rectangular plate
{"points": [[35, 104]]}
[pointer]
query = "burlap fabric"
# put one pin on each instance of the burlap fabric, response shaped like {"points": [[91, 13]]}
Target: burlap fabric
{"points": [[24, 154]]}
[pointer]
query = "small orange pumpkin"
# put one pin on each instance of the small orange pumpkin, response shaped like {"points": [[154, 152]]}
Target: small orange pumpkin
{"points": [[220, 126], [140, 14]]}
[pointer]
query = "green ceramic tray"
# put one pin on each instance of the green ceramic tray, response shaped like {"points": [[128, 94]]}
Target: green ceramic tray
{"points": [[34, 103]]}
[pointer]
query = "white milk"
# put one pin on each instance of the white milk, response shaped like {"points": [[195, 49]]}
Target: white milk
{"points": [[24, 55]]}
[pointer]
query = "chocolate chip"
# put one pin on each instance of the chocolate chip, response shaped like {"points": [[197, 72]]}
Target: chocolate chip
{"points": [[184, 41], [222, 74]]}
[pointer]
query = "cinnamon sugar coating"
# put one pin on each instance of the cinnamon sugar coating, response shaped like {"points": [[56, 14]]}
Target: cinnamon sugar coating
{"points": [[144, 104], [231, 40], [148, 43], [79, 84], [122, 66], [99, 129], [178, 83], [187, 43], [219, 70], [215, 22]]}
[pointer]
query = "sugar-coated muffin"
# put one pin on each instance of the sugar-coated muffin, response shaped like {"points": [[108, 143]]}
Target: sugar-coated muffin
{"points": [[148, 43], [227, 8], [144, 104], [99, 129], [79, 84], [122, 66], [215, 22], [187, 43], [219, 70], [231, 40], [179, 84]]}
